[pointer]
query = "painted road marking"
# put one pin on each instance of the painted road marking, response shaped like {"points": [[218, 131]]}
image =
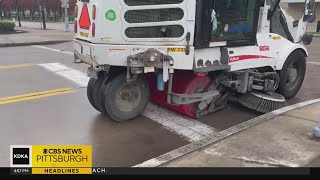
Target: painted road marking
{"points": [[55, 50], [68, 73], [15, 66], [185, 127], [314, 63], [36, 95], [170, 156]]}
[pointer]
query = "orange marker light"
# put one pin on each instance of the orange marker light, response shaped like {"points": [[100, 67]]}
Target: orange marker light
{"points": [[75, 11], [94, 12]]}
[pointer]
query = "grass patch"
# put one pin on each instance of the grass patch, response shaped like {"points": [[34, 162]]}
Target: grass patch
{"points": [[316, 34], [7, 26]]}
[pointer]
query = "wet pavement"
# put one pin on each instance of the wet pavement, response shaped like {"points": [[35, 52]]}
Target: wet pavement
{"points": [[70, 119]]}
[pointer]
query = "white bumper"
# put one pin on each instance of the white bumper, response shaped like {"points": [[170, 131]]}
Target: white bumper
{"points": [[116, 55]]}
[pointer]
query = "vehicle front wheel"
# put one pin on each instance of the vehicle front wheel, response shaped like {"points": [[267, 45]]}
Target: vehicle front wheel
{"points": [[292, 74]]}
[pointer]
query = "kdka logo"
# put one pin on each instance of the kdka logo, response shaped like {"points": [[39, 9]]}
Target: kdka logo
{"points": [[20, 156]]}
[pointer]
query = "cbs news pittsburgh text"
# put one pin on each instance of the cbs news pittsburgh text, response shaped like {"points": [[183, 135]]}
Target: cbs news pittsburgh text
{"points": [[38, 159]]}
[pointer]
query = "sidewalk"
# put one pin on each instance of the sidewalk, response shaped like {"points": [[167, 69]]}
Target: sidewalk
{"points": [[59, 26], [31, 34], [286, 140]]}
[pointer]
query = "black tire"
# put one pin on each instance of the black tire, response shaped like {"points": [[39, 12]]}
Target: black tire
{"points": [[101, 96], [95, 94], [90, 93], [289, 87], [119, 92]]}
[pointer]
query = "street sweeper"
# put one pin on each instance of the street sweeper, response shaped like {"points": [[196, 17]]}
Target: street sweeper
{"points": [[193, 56]]}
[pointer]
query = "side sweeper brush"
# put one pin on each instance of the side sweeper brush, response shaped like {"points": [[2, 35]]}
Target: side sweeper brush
{"points": [[262, 102]]}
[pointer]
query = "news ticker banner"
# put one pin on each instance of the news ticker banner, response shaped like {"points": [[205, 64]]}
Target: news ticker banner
{"points": [[43, 159], [77, 159]]}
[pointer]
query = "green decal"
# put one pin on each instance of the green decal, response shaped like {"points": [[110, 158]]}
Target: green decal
{"points": [[111, 15]]}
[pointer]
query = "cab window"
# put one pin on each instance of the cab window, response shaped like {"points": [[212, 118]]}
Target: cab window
{"points": [[235, 20]]}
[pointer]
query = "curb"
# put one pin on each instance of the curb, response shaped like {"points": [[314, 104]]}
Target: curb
{"points": [[187, 149], [317, 131], [33, 43]]}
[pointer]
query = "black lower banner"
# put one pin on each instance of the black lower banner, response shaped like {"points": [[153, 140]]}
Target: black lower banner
{"points": [[162, 171]]}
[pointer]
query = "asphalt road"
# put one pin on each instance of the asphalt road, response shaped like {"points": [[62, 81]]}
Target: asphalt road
{"points": [[64, 115]]}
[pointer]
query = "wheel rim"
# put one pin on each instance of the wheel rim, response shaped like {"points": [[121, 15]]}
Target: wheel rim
{"points": [[128, 97], [292, 76]]}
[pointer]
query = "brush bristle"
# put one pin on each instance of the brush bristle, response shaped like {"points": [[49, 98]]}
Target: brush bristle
{"points": [[259, 104]]}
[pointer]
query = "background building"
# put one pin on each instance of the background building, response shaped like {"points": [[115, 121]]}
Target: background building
{"points": [[295, 8]]}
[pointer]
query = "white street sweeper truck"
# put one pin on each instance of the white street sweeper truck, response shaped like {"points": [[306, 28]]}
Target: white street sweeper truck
{"points": [[193, 56]]}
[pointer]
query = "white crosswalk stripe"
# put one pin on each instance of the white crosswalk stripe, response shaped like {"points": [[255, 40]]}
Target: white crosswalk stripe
{"points": [[184, 126], [314, 63]]}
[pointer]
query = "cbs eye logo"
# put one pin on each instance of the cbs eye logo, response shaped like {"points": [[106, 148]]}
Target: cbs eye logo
{"points": [[20, 156]]}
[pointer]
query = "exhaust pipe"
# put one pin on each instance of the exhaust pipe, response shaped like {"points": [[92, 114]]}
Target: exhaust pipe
{"points": [[79, 58]]}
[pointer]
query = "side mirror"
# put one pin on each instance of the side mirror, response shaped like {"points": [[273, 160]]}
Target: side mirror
{"points": [[310, 11], [307, 39]]}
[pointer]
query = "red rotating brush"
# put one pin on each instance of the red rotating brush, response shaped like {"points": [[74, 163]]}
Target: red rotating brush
{"points": [[184, 82]]}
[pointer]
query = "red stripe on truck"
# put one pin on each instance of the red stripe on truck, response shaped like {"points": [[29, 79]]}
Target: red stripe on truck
{"points": [[246, 57]]}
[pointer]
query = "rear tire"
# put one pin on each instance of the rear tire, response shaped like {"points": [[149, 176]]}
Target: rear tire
{"points": [[105, 83], [101, 95], [95, 94], [125, 101], [90, 93], [292, 74]]}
